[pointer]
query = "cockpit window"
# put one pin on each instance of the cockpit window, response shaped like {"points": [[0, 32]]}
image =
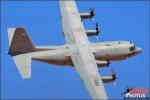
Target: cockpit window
{"points": [[131, 48]]}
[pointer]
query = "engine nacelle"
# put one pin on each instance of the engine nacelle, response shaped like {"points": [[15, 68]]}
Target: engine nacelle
{"points": [[94, 32], [101, 64], [108, 79], [85, 15], [91, 32], [88, 15]]}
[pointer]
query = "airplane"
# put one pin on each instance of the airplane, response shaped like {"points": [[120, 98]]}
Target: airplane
{"points": [[78, 51]]}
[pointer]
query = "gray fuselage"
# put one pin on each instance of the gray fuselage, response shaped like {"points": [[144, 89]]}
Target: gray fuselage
{"points": [[104, 51]]}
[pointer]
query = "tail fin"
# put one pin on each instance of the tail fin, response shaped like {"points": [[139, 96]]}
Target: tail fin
{"points": [[19, 42]]}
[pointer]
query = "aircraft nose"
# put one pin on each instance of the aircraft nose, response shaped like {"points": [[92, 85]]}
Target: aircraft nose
{"points": [[138, 50]]}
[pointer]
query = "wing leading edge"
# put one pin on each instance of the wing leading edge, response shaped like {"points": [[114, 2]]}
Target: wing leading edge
{"points": [[82, 56]]}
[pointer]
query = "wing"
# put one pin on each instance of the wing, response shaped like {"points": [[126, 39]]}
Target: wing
{"points": [[71, 22], [82, 56], [89, 75]]}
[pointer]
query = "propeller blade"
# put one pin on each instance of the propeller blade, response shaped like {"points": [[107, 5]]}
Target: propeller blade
{"points": [[97, 28], [108, 63], [113, 75], [92, 11], [97, 31], [114, 84], [123, 93], [97, 38]]}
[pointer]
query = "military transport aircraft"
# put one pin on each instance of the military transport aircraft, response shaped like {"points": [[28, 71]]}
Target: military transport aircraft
{"points": [[78, 51]]}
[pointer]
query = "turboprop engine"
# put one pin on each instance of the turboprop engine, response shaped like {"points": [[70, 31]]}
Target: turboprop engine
{"points": [[108, 79], [101, 64], [88, 15], [94, 32]]}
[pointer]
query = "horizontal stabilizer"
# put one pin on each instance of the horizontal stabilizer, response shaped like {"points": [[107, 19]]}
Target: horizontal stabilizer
{"points": [[23, 63]]}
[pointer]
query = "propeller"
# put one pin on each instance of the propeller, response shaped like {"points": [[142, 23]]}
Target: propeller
{"points": [[128, 90], [97, 31], [114, 76], [108, 63], [92, 11]]}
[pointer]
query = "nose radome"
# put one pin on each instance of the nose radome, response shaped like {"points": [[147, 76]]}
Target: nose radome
{"points": [[138, 50]]}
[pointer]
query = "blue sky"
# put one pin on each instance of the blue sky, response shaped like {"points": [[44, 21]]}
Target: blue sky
{"points": [[125, 20]]}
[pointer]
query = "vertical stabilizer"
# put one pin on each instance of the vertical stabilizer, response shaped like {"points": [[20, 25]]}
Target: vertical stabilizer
{"points": [[19, 41]]}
